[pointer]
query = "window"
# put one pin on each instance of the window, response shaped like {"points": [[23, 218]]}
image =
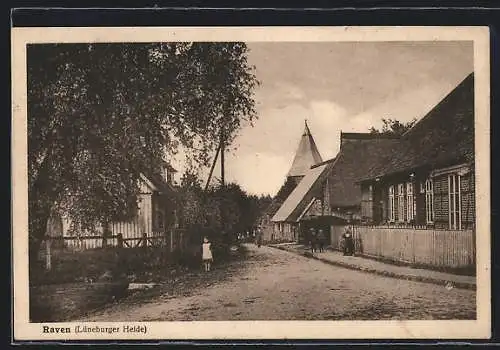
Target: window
{"points": [[429, 201], [410, 202], [401, 202], [391, 204], [454, 214], [370, 192], [422, 186]]}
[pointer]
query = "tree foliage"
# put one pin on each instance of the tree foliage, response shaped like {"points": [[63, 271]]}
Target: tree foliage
{"points": [[393, 127], [219, 212], [99, 115], [286, 189]]}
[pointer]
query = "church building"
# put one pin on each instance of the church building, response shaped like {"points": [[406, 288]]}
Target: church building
{"points": [[307, 155], [301, 173]]}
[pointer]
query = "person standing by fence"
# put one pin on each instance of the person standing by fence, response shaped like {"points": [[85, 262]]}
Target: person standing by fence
{"points": [[207, 254], [312, 239], [321, 240], [348, 241]]}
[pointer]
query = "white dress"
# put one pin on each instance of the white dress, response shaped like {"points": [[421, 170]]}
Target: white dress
{"points": [[207, 253]]}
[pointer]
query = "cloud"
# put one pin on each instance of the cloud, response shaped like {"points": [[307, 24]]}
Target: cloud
{"points": [[359, 75], [258, 173], [403, 107], [336, 86]]}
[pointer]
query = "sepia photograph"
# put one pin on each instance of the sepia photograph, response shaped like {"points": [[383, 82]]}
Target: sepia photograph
{"points": [[166, 178]]}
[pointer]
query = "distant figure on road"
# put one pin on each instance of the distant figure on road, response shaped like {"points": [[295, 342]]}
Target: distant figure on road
{"points": [[321, 240], [207, 254], [348, 241], [259, 237], [312, 239]]}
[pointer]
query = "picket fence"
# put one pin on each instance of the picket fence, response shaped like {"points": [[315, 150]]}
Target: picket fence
{"points": [[173, 239], [414, 245]]}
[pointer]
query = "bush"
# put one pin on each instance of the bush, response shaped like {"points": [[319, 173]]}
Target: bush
{"points": [[70, 266], [55, 303]]}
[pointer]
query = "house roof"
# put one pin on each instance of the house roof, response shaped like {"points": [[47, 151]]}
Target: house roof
{"points": [[154, 178], [358, 153], [443, 137], [160, 183], [271, 209], [307, 154], [302, 194]]}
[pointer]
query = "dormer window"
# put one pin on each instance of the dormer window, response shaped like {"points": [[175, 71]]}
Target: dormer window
{"points": [[169, 173]]}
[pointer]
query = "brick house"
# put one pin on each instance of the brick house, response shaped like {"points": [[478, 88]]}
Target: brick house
{"points": [[418, 204], [429, 178], [338, 196]]}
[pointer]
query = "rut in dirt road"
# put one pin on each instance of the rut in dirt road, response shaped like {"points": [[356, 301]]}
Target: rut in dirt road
{"points": [[278, 285]]}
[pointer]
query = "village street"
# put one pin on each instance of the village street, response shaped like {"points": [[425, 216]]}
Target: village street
{"points": [[278, 285]]}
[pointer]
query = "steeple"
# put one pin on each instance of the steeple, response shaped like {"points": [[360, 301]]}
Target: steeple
{"points": [[306, 156]]}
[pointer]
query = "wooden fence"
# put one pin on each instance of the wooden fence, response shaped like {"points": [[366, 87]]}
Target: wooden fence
{"points": [[173, 239], [417, 245]]}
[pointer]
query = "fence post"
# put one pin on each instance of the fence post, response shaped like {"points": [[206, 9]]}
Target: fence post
{"points": [[181, 241], [145, 239], [48, 254], [120, 240], [171, 240], [106, 232]]}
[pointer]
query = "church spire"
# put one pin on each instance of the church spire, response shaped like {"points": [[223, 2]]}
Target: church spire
{"points": [[306, 156], [306, 128]]}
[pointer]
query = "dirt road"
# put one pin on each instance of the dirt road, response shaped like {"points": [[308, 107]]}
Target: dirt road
{"points": [[278, 285]]}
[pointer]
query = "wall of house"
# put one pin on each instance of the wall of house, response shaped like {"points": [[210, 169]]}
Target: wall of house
{"points": [[440, 187], [336, 232], [420, 218], [367, 202], [326, 197], [142, 222], [54, 227], [468, 200], [413, 213], [284, 231], [267, 228], [442, 201]]}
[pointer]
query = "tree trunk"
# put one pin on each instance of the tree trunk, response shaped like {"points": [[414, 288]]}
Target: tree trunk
{"points": [[38, 218], [41, 197]]}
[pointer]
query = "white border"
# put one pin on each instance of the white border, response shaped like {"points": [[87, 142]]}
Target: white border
{"points": [[479, 329]]}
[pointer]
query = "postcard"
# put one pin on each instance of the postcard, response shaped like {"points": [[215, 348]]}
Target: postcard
{"points": [[184, 183]]}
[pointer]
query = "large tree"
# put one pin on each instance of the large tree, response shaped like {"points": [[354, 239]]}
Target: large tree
{"points": [[393, 127], [100, 114]]}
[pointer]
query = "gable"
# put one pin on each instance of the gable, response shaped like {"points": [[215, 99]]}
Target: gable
{"points": [[299, 197], [355, 159], [443, 137]]}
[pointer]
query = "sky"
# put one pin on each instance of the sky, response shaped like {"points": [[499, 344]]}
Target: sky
{"points": [[335, 86]]}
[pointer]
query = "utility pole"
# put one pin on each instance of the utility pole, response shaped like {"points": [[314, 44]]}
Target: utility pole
{"points": [[212, 168]]}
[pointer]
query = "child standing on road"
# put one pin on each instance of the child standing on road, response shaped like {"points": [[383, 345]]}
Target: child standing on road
{"points": [[206, 254]]}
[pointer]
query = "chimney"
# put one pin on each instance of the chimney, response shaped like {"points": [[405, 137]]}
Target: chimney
{"points": [[342, 139], [168, 173]]}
